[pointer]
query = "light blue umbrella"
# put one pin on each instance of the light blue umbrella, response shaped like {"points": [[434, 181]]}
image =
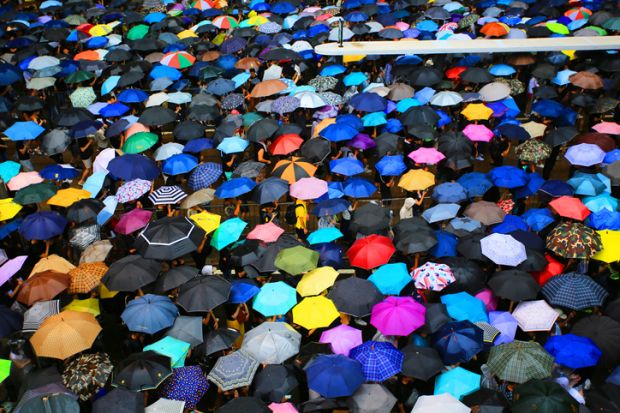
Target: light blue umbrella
{"points": [[228, 232], [586, 184], [8, 169], [94, 183], [333, 70], [440, 212], [240, 78], [107, 212], [174, 348], [149, 314], [390, 279], [458, 382], [354, 79], [427, 26], [23, 131], [463, 306], [502, 70], [374, 119], [109, 84], [599, 202], [323, 235], [449, 192], [424, 95], [275, 299], [233, 144], [464, 224], [407, 103], [563, 77]]}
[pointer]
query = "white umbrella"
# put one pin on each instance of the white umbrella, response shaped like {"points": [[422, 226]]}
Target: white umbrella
{"points": [[103, 159], [39, 83], [444, 403], [157, 99], [264, 106], [446, 98], [535, 315], [43, 62], [166, 406], [310, 100], [495, 91], [375, 27], [503, 249], [301, 45], [271, 342], [96, 252], [167, 150], [334, 34]]}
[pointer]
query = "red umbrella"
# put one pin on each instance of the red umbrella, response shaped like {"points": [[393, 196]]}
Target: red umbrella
{"points": [[455, 72], [570, 207], [553, 268], [371, 251], [285, 144]]}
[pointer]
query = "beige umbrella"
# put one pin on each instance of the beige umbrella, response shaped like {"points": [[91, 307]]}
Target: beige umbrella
{"points": [[268, 88], [586, 80], [96, 252], [65, 334], [534, 129], [494, 91], [52, 263], [485, 212], [400, 91], [202, 196]]}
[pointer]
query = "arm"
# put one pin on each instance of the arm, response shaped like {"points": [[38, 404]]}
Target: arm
{"points": [[261, 156]]}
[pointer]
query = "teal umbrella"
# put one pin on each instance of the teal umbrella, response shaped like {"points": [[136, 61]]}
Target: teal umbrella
{"points": [[374, 119], [323, 235], [228, 232], [390, 279], [463, 306], [8, 169], [275, 299], [171, 347], [600, 202], [458, 382]]}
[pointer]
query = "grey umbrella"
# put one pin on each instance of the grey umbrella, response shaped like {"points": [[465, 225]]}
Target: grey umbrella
{"points": [[233, 371], [188, 329], [274, 382], [203, 293], [271, 342], [55, 142], [248, 169], [372, 398]]}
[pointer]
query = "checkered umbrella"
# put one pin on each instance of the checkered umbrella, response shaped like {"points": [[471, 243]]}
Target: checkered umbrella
{"points": [[167, 195], [520, 361], [86, 276], [233, 371], [132, 190], [489, 333], [574, 291], [380, 360], [535, 315], [39, 311], [187, 383], [204, 175]]}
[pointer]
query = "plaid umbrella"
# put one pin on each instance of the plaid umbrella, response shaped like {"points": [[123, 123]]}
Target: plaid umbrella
{"points": [[380, 360], [520, 361], [233, 371], [132, 190], [533, 150], [204, 175], [285, 104], [86, 276], [573, 240], [231, 101], [574, 291], [40, 311], [167, 195], [86, 374], [489, 333], [186, 384], [82, 237], [432, 276]]}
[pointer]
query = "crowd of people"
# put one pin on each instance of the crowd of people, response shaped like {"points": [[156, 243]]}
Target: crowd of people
{"points": [[199, 213]]}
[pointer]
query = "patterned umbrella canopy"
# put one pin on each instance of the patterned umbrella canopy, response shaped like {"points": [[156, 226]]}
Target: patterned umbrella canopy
{"points": [[574, 291], [380, 360], [86, 276], [574, 240], [433, 276], [132, 190], [285, 104], [535, 315], [233, 371], [167, 195], [520, 361], [87, 373], [204, 175], [186, 384], [533, 150]]}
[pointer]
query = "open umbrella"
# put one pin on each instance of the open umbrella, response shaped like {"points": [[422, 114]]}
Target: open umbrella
{"points": [[544, 396], [520, 361], [397, 316], [458, 382], [271, 343], [169, 238], [233, 371], [149, 314], [87, 374], [142, 371], [334, 375]]}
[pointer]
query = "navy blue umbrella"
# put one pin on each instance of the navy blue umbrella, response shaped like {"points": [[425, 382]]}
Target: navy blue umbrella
{"points": [[42, 225], [233, 45], [56, 172], [458, 341], [330, 254], [221, 86], [548, 108], [198, 145], [512, 131], [84, 128], [556, 188], [204, 175], [9, 74], [235, 187], [334, 375], [270, 190], [446, 245], [133, 166], [574, 291], [368, 102]]}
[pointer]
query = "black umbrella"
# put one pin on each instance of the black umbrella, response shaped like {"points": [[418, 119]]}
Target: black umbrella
{"points": [[217, 340], [262, 129], [436, 317], [425, 76], [246, 253], [370, 219], [469, 276], [274, 382], [285, 128], [245, 405], [203, 294], [175, 277], [280, 53], [605, 332], [476, 75], [84, 210], [316, 150], [203, 113], [535, 261], [355, 296], [322, 404], [488, 401], [157, 115], [413, 235], [147, 44], [269, 190], [169, 238], [469, 247], [130, 78], [419, 115], [142, 371], [72, 116], [143, 271], [515, 285], [265, 262], [612, 309], [118, 55], [28, 104], [119, 401], [248, 169], [421, 362], [455, 143], [188, 130], [387, 143], [560, 135], [544, 71]]}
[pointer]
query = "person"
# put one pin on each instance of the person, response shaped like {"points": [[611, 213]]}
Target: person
{"points": [[23, 154], [499, 147], [301, 219]]}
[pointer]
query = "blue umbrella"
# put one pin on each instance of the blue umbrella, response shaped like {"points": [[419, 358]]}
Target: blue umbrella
{"points": [[509, 224], [154, 17], [354, 79], [338, 132], [449, 192], [7, 229], [359, 188], [463, 306], [612, 156], [368, 102], [109, 84], [23, 131], [574, 291], [180, 163], [458, 382], [9, 169], [330, 207], [374, 119], [573, 351], [538, 218], [390, 279], [446, 245], [350, 119], [512, 131], [162, 71], [323, 235], [548, 108], [149, 314], [132, 96], [9, 74], [330, 255], [604, 219], [233, 144], [235, 187], [533, 184], [407, 103], [242, 291], [475, 183], [380, 360], [334, 375], [282, 7], [458, 341], [346, 166], [556, 188], [275, 298], [427, 26], [508, 176], [114, 109], [58, 173], [11, 321], [333, 70], [42, 225], [198, 145], [391, 165], [204, 175], [459, 225], [132, 166], [586, 184], [228, 232], [356, 17], [440, 212], [600, 202], [502, 70]]}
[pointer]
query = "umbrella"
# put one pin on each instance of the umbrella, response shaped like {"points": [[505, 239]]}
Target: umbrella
{"points": [[275, 298], [463, 306], [514, 285], [545, 396], [334, 375], [186, 384], [131, 166], [274, 382], [42, 286], [397, 316], [585, 154], [390, 278], [421, 362], [132, 221], [573, 351], [371, 251], [244, 404], [293, 170], [203, 293], [535, 315], [520, 361], [119, 400], [86, 277], [503, 249], [169, 238], [271, 343], [87, 374], [171, 347], [574, 291], [458, 382], [149, 314], [42, 225], [315, 312], [573, 240], [458, 341], [370, 219], [188, 329], [233, 371], [228, 232], [143, 271], [372, 397], [432, 276], [142, 371], [605, 338], [355, 296], [444, 402], [342, 338]]}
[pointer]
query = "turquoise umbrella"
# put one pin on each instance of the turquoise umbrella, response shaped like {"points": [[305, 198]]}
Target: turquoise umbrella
{"points": [[458, 382], [463, 306], [174, 348], [8, 169], [109, 84], [599, 202], [390, 279], [275, 299], [228, 232], [374, 119], [323, 235]]}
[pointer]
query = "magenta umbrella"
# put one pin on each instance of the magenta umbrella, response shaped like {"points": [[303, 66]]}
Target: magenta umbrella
{"points": [[268, 232], [11, 267], [342, 338], [308, 188], [398, 316], [478, 133], [132, 221], [429, 156]]}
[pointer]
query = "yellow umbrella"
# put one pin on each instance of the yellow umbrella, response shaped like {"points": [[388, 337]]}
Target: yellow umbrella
{"points": [[477, 111], [8, 209], [353, 58], [89, 305], [257, 20], [315, 312], [207, 221], [534, 129], [322, 125], [52, 263], [219, 39], [65, 334], [416, 180], [611, 246], [67, 197], [100, 30], [185, 34], [105, 293], [316, 281]]}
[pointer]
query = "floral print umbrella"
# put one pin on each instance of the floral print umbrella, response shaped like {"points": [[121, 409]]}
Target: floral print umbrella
{"points": [[186, 384], [433, 276]]}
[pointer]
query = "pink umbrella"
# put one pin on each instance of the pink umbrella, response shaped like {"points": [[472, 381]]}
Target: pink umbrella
{"points": [[398, 316], [308, 188], [282, 408], [268, 232], [478, 133], [488, 298], [103, 159], [607, 127], [11, 267], [132, 190], [402, 26], [342, 338], [23, 179], [132, 221], [135, 128], [429, 156]]}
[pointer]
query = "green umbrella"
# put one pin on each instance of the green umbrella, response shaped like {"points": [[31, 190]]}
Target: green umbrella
{"points": [[249, 118], [543, 397], [5, 369], [297, 260], [137, 32], [597, 29], [35, 193], [140, 142], [520, 361], [79, 76], [558, 28], [82, 97]]}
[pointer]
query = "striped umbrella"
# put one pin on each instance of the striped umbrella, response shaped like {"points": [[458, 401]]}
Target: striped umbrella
{"points": [[520, 361], [167, 195], [38, 313], [292, 170], [178, 59]]}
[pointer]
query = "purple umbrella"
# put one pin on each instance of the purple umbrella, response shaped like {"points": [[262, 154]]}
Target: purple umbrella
{"points": [[342, 338], [11, 267], [285, 104], [506, 324], [362, 141], [585, 154]]}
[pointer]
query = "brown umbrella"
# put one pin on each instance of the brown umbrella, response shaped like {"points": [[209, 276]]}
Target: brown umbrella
{"points": [[268, 88], [400, 91], [86, 277], [65, 334], [53, 263], [485, 212], [522, 60], [248, 63], [43, 286], [586, 80], [603, 140], [210, 56]]}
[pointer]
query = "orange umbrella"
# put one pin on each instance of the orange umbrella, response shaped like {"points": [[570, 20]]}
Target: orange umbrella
{"points": [[88, 55], [65, 334], [268, 88], [42, 287], [248, 63], [495, 29], [210, 56], [586, 80], [86, 277], [477, 111], [294, 169], [54, 263]]}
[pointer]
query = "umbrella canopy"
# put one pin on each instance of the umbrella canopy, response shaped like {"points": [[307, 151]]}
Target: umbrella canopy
{"points": [[142, 371], [186, 384], [547, 396], [458, 382], [87, 374], [397, 316], [149, 314], [271, 343], [334, 375], [520, 361], [169, 238], [573, 351], [233, 371]]}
